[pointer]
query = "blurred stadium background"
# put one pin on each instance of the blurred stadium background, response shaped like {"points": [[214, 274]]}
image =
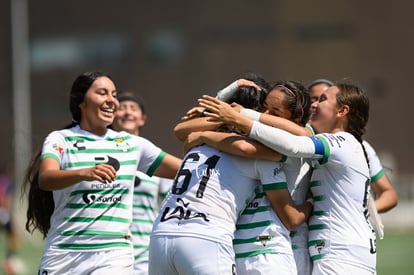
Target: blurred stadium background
{"points": [[171, 52]]}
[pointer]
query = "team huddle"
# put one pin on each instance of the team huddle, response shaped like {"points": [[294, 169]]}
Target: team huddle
{"points": [[276, 179]]}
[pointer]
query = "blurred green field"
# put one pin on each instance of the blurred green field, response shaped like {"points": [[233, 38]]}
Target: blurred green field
{"points": [[30, 252], [393, 253]]}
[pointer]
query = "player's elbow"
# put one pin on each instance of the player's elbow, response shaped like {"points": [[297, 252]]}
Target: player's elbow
{"points": [[389, 203], [292, 223], [246, 149], [393, 200], [179, 133]]}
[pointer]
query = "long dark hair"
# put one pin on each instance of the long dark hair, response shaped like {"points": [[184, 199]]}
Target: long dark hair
{"points": [[358, 115], [249, 97], [40, 202], [358, 103]]}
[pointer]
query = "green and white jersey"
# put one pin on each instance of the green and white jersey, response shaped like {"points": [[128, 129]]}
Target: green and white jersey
{"points": [[91, 215], [338, 227], [148, 191], [376, 169], [298, 174], [209, 193], [259, 229]]}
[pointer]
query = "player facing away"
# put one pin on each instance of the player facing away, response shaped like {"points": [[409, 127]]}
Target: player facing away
{"points": [[227, 189], [262, 244], [195, 227]]}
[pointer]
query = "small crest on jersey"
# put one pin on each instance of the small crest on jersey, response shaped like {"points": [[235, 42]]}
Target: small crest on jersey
{"points": [[122, 144], [319, 245], [58, 148], [264, 239]]}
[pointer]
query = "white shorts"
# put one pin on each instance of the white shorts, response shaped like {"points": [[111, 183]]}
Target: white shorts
{"points": [[333, 266], [189, 255], [303, 261], [269, 263], [107, 262]]}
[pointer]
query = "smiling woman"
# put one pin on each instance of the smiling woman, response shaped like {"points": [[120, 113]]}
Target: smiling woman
{"points": [[81, 184], [99, 106]]}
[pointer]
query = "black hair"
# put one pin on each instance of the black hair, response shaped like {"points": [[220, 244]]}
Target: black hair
{"points": [[130, 96], [358, 103], [320, 81], [250, 97], [79, 88], [297, 99], [40, 202]]}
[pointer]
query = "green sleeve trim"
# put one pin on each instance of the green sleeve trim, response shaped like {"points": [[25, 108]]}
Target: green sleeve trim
{"points": [[156, 163], [377, 176], [49, 155], [275, 186], [284, 158]]}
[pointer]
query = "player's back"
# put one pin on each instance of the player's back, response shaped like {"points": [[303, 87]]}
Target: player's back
{"points": [[210, 190]]}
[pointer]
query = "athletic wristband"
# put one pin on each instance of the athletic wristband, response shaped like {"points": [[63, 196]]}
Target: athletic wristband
{"points": [[252, 114], [227, 92]]}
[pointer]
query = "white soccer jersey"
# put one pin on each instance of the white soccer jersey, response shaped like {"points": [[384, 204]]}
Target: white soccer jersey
{"points": [[147, 193], [338, 226], [209, 193], [259, 229], [376, 169], [91, 215], [298, 173], [376, 172]]}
